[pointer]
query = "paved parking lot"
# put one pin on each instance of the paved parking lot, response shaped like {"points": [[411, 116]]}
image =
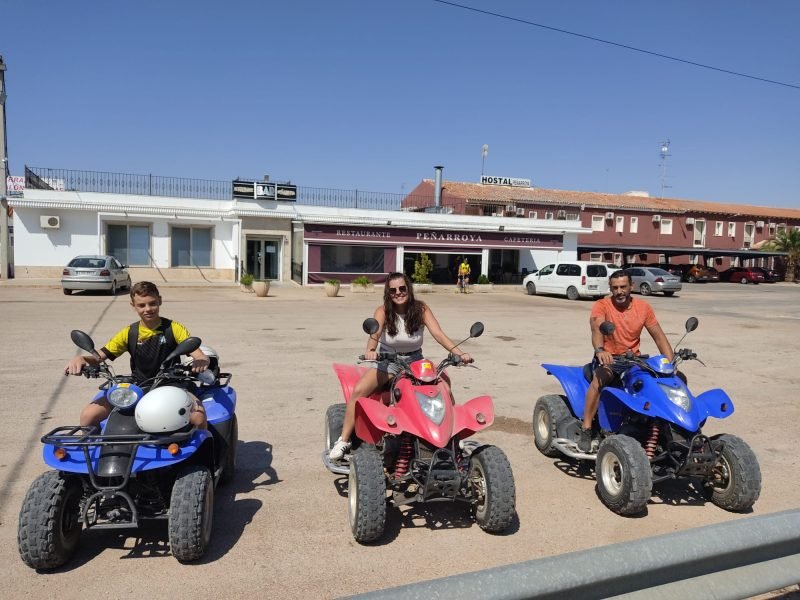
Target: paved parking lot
{"points": [[281, 527]]}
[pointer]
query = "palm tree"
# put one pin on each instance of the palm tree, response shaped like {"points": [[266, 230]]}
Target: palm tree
{"points": [[789, 242]]}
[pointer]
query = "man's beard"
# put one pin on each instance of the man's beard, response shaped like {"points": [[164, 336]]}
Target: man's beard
{"points": [[621, 299]]}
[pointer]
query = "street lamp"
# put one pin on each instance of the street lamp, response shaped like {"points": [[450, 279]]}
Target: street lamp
{"points": [[484, 152]]}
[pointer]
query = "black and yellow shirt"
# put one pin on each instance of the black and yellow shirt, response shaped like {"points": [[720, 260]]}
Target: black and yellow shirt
{"points": [[151, 348]]}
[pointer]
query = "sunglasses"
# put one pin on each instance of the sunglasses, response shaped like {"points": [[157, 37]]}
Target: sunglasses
{"points": [[398, 290]]}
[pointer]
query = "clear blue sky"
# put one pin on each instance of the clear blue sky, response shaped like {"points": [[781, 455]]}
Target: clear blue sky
{"points": [[371, 94]]}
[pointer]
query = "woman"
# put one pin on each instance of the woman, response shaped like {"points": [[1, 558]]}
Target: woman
{"points": [[401, 322]]}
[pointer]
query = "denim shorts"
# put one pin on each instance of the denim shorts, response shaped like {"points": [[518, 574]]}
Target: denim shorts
{"points": [[385, 366]]}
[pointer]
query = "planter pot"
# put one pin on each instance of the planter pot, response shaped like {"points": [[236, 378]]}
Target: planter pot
{"points": [[482, 287], [261, 288], [246, 288], [358, 288], [331, 290], [423, 288]]}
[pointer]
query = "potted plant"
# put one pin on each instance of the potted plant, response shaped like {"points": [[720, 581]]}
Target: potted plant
{"points": [[331, 288], [422, 271], [261, 287], [361, 285], [483, 284], [246, 282]]}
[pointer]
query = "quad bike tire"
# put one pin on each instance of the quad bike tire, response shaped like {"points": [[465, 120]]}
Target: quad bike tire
{"points": [[334, 421], [530, 287], [737, 477], [191, 513], [549, 411], [366, 492], [624, 475], [49, 521], [492, 482], [229, 469]]}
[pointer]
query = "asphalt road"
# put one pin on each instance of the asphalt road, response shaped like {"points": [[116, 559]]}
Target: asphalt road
{"points": [[281, 527]]}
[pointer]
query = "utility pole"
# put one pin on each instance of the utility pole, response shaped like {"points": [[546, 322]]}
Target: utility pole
{"points": [[663, 164], [4, 250]]}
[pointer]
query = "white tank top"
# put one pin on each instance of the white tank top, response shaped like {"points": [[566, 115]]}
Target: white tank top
{"points": [[402, 343]]}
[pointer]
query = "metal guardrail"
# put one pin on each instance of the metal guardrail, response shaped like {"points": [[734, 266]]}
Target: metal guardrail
{"points": [[731, 560]]}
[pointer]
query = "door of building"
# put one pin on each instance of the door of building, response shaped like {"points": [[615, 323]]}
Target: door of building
{"points": [[262, 259]]}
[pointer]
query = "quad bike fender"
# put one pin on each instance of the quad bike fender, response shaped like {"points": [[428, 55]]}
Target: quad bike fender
{"points": [[574, 384], [615, 402], [219, 402], [372, 420], [147, 457], [348, 377], [467, 415], [716, 403]]}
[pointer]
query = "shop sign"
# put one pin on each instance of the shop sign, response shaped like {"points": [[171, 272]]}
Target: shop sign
{"points": [[429, 237], [512, 181], [264, 190]]}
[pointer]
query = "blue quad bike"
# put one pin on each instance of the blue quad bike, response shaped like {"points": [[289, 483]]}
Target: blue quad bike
{"points": [[648, 429], [145, 462]]}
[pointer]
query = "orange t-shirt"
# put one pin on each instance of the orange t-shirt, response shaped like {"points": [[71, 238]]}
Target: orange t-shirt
{"points": [[629, 323]]}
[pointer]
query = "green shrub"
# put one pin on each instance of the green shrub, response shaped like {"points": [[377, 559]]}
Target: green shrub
{"points": [[332, 281], [422, 269], [246, 279], [362, 280], [482, 280]]}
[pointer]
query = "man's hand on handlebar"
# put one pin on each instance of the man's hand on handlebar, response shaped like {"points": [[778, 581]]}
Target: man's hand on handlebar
{"points": [[605, 358]]}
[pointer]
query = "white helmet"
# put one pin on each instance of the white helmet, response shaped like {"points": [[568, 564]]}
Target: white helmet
{"points": [[213, 357], [164, 409]]}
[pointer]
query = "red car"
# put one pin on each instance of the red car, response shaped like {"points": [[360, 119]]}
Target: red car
{"points": [[742, 275]]}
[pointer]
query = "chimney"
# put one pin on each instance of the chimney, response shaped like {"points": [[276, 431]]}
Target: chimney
{"points": [[437, 189]]}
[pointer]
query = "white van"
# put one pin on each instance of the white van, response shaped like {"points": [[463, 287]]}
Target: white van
{"points": [[573, 279]]}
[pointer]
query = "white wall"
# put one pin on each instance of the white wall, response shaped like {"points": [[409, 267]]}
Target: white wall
{"points": [[53, 247]]}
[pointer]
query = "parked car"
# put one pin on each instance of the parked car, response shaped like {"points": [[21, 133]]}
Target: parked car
{"points": [[573, 279], [670, 268], [95, 273], [742, 275], [648, 280], [695, 274], [770, 275], [714, 273]]}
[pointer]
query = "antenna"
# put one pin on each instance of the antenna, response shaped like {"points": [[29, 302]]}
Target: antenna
{"points": [[663, 164]]}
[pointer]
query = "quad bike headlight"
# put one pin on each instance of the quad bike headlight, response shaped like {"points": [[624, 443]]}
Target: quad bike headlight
{"points": [[677, 396], [432, 406], [124, 395]]}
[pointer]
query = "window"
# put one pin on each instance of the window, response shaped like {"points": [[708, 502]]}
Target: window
{"points": [[572, 216], [191, 247], [662, 259], [598, 223], [548, 216], [351, 259], [780, 228], [731, 229], [666, 226], [634, 225], [596, 256], [699, 233], [129, 244], [718, 229], [568, 270], [595, 271], [749, 230], [620, 224], [532, 214], [618, 258]]}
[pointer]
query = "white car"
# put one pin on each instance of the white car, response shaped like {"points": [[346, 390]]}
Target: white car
{"points": [[573, 279], [100, 272]]}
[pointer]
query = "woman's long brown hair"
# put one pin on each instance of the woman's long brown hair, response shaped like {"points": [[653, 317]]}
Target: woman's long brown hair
{"points": [[415, 309]]}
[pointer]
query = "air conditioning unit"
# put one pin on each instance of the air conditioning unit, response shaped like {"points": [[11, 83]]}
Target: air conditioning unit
{"points": [[609, 216], [520, 212], [562, 214], [511, 208], [49, 222], [656, 218], [760, 224], [690, 220]]}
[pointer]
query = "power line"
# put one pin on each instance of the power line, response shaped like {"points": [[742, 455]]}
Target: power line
{"points": [[610, 43]]}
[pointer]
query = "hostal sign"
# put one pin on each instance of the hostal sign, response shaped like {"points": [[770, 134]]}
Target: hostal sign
{"points": [[512, 181]]}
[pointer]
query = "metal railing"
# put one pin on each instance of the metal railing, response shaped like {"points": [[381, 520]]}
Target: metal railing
{"points": [[207, 189], [736, 559]]}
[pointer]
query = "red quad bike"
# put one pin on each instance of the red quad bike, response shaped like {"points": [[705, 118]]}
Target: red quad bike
{"points": [[411, 441]]}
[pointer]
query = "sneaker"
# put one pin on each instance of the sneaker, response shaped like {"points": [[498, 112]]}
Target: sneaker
{"points": [[585, 443], [339, 449]]}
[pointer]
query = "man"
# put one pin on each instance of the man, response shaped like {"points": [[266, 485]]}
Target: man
{"points": [[463, 275], [629, 317], [149, 341]]}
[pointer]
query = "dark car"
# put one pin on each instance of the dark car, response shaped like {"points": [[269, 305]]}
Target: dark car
{"points": [[669, 268], [714, 273], [770, 275], [742, 275], [697, 273]]}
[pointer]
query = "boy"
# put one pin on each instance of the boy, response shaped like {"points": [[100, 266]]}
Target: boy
{"points": [[149, 341]]}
